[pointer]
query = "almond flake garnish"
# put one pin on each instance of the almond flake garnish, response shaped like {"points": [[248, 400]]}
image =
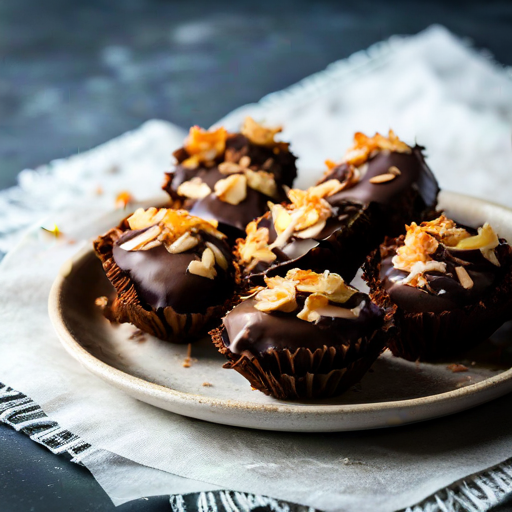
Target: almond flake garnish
{"points": [[317, 305], [195, 188], [278, 296], [259, 134], [205, 267], [229, 168], [382, 178], [184, 243], [177, 230], [220, 259], [141, 241], [304, 218], [262, 181], [245, 161], [204, 146], [394, 170], [464, 278], [232, 190], [329, 284]]}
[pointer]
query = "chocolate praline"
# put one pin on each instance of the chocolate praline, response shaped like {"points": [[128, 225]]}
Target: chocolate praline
{"points": [[340, 247], [275, 159], [409, 196], [289, 358], [444, 318], [155, 290], [161, 278]]}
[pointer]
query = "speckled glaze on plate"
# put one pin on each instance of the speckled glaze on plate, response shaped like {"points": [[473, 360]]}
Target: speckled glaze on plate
{"points": [[394, 392]]}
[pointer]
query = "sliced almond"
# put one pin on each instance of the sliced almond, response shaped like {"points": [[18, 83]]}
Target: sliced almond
{"points": [[205, 267], [142, 219], [312, 231], [220, 259], [245, 161], [232, 190], [184, 243], [464, 278], [229, 168], [382, 178], [394, 170], [143, 239], [195, 188], [262, 181]]}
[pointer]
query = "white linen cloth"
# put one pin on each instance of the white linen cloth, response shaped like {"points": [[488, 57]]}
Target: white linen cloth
{"points": [[430, 87]]}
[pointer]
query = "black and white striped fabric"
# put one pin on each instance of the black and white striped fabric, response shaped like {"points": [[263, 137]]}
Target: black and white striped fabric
{"points": [[475, 494]]}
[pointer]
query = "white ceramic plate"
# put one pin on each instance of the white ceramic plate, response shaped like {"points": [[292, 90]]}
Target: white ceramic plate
{"points": [[394, 392]]}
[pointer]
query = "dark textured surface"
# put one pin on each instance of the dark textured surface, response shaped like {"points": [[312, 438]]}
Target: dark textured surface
{"points": [[74, 74]]}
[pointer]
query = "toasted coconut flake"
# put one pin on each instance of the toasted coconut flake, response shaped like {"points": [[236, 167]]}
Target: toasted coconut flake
{"points": [[233, 189], [464, 278], [445, 231], [328, 284], [204, 146], [365, 146], [255, 247], [418, 246], [311, 232], [382, 178], [416, 277], [259, 134], [278, 296], [195, 188], [263, 182]]}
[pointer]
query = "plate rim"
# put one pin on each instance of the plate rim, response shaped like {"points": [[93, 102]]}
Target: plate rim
{"points": [[125, 381]]}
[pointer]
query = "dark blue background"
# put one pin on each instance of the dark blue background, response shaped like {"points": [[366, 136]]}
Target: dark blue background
{"points": [[74, 74]]}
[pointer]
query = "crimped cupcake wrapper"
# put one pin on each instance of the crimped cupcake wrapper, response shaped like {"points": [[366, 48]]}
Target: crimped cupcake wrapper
{"points": [[430, 336], [126, 307], [286, 375]]}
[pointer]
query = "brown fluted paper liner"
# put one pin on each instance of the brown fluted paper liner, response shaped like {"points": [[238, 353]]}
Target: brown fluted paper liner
{"points": [[126, 306], [288, 375]]}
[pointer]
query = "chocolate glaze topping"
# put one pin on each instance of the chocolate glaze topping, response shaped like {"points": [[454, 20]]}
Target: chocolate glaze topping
{"points": [[415, 184], [324, 251], [247, 329], [274, 159], [446, 293], [162, 280]]}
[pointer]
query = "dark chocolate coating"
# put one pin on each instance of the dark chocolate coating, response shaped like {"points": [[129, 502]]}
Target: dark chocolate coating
{"points": [[247, 329], [234, 218], [162, 280], [417, 300], [341, 246], [410, 196]]}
